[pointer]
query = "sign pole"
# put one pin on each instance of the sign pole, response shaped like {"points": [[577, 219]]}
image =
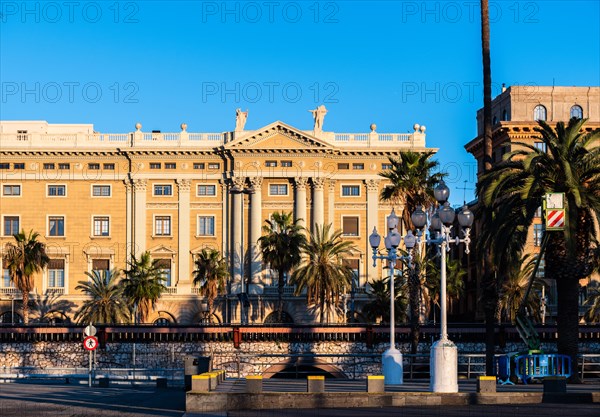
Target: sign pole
{"points": [[90, 371]]}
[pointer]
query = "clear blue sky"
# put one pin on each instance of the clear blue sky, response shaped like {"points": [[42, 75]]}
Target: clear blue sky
{"points": [[393, 63]]}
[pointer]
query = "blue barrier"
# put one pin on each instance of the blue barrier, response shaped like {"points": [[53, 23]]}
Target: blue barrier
{"points": [[503, 371], [528, 367]]}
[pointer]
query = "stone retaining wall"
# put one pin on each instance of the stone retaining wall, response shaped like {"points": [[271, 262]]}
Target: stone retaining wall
{"points": [[246, 360]]}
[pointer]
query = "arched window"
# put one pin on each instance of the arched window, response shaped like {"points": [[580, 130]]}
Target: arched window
{"points": [[504, 115], [7, 317], [494, 121], [161, 321], [577, 111], [539, 113], [285, 318]]}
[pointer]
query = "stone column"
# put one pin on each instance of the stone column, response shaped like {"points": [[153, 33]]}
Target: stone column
{"points": [[331, 205], [300, 200], [318, 207], [183, 235], [128, 220], [372, 214], [255, 232], [140, 217], [237, 233]]}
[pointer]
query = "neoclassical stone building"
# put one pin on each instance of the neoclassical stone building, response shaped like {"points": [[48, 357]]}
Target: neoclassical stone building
{"points": [[97, 197], [514, 114]]}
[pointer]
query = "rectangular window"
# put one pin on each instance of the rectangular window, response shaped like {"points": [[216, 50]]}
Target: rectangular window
{"points": [[358, 166], [538, 233], [56, 226], [541, 146], [198, 165], [386, 166], [57, 190], [343, 166], [350, 226], [162, 226], [93, 166], [214, 165], [101, 190], [4, 165], [56, 273], [101, 226], [109, 166], [207, 190], [164, 266], [49, 166], [11, 190], [286, 164], [64, 166], [101, 265], [538, 212], [19, 165], [206, 226], [11, 225], [278, 189], [270, 164], [163, 190], [6, 281], [155, 165], [541, 272], [350, 190], [170, 165]]}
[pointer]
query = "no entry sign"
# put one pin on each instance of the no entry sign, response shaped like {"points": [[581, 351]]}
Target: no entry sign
{"points": [[90, 343]]}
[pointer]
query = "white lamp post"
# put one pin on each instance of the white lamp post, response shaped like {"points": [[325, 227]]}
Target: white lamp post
{"points": [[444, 354], [391, 359]]}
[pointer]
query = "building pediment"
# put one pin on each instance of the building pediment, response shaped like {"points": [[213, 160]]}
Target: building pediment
{"points": [[162, 250], [277, 136]]}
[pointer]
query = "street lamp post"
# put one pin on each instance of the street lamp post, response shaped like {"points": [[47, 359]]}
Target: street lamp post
{"points": [[242, 296], [391, 359], [12, 309], [444, 354]]}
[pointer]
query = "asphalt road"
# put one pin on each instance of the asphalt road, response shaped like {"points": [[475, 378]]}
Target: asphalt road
{"points": [[50, 400], [546, 410], [53, 400]]}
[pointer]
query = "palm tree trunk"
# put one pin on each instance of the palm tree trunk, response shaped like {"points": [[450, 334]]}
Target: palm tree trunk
{"points": [[488, 284], [322, 305], [568, 320], [415, 298], [25, 307], [280, 286]]}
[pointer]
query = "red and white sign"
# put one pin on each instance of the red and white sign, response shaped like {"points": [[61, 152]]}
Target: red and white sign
{"points": [[90, 343], [555, 219]]}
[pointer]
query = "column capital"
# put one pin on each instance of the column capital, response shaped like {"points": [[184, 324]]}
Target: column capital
{"points": [[128, 185], [301, 183], [318, 183], [140, 184], [256, 182], [238, 182], [183, 185], [332, 185], [372, 185]]}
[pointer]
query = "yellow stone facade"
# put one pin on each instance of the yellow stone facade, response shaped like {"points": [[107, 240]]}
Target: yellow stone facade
{"points": [[94, 198]]}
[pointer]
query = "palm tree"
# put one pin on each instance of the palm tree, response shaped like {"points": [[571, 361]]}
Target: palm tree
{"points": [[322, 271], [51, 307], [412, 183], [488, 282], [513, 289], [143, 284], [378, 308], [592, 315], [571, 165], [106, 303], [455, 284], [280, 247], [24, 258], [210, 275]]}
